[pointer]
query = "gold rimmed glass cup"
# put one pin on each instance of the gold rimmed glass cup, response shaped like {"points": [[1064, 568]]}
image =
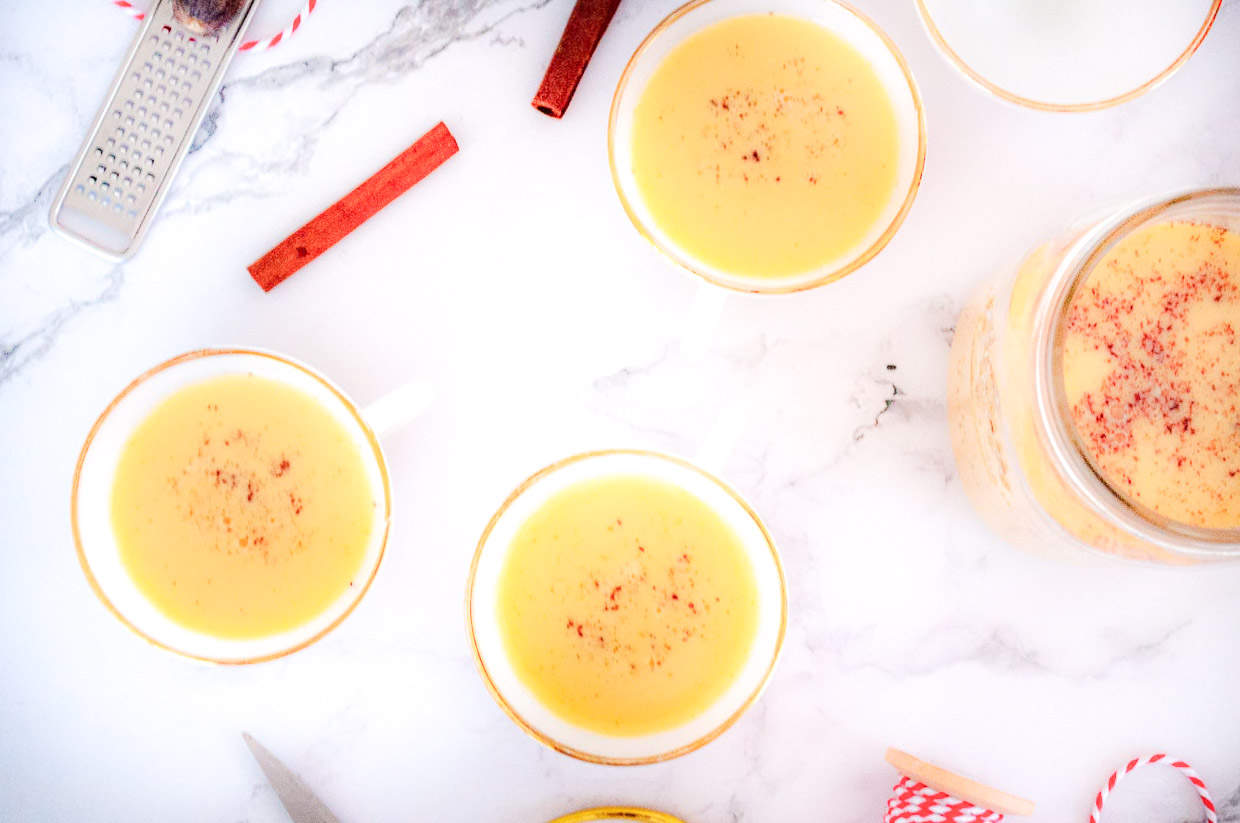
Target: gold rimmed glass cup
{"points": [[525, 708], [97, 546], [617, 814], [1068, 57], [840, 19]]}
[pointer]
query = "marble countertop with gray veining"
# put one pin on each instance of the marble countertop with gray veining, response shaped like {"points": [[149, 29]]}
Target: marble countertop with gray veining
{"points": [[512, 281]]}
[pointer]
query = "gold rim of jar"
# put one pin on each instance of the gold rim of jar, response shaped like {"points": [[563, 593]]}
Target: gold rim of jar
{"points": [[618, 813], [197, 354], [546, 739], [998, 91], [775, 285], [1052, 415]]}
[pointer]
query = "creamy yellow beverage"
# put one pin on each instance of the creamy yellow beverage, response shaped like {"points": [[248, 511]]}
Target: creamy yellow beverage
{"points": [[1151, 371], [242, 507], [627, 605], [766, 146]]}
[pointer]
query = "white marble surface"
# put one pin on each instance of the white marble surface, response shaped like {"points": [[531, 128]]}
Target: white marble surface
{"points": [[911, 625]]}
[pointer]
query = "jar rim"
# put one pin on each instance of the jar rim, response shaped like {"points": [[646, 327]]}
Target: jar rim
{"points": [[1051, 415]]}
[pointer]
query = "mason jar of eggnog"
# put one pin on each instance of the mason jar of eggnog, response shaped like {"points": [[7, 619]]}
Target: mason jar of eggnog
{"points": [[1094, 391]]}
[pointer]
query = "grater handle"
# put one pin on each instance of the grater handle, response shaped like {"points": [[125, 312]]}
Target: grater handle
{"points": [[83, 227]]}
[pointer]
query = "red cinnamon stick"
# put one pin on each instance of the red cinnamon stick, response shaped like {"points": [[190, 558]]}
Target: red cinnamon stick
{"points": [[355, 208], [585, 28]]}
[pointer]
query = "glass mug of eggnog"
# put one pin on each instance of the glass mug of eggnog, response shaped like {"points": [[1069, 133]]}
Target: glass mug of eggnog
{"points": [[232, 505], [1094, 395], [625, 607], [767, 146], [618, 814]]}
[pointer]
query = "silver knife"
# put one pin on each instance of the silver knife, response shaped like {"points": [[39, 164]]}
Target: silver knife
{"points": [[300, 803]]}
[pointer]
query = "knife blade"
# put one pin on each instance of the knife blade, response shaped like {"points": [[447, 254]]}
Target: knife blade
{"points": [[300, 803]]}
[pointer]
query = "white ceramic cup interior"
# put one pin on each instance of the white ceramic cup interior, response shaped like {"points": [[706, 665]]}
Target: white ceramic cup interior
{"points": [[97, 546], [525, 707], [845, 23]]}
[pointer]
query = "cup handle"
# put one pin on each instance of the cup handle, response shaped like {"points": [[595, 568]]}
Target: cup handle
{"points": [[702, 320], [398, 407]]}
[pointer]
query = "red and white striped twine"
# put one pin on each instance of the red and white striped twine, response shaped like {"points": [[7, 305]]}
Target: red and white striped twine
{"points": [[1211, 815], [130, 9], [249, 45], [915, 802]]}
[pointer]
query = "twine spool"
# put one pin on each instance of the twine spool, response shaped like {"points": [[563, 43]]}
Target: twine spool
{"points": [[249, 45], [928, 794]]}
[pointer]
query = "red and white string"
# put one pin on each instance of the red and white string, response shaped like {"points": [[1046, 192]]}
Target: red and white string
{"points": [[249, 45], [1211, 815], [915, 802]]}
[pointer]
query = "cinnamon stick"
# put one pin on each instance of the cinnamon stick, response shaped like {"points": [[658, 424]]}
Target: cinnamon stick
{"points": [[582, 34], [355, 208]]}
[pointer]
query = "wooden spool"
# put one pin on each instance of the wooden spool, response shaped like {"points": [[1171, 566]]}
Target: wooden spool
{"points": [[947, 782]]}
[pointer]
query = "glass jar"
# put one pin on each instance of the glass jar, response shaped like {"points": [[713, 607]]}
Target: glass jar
{"points": [[1019, 457], [1068, 57]]}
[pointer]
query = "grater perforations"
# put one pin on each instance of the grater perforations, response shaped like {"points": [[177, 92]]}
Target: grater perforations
{"points": [[143, 131]]}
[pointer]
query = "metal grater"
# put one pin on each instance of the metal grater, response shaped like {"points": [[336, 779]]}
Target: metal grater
{"points": [[143, 131]]}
